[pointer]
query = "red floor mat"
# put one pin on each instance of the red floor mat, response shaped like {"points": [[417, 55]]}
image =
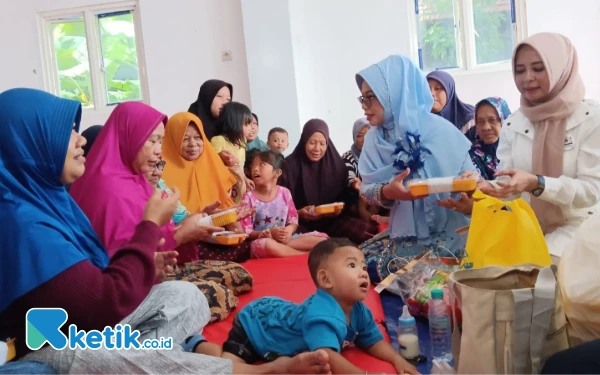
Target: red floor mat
{"points": [[289, 278]]}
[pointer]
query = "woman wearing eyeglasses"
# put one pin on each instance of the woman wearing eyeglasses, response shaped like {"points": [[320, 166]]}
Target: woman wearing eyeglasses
{"points": [[155, 179], [408, 142]]}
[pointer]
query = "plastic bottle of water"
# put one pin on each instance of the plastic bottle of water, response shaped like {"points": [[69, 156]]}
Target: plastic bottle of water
{"points": [[440, 329]]}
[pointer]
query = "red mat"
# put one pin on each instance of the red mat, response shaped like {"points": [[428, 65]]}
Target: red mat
{"points": [[289, 279]]}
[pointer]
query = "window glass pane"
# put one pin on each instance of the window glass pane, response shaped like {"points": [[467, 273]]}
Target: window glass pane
{"points": [[72, 61], [494, 37], [119, 53], [438, 37]]}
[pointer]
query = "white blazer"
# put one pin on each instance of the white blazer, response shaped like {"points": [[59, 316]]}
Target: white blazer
{"points": [[577, 191]]}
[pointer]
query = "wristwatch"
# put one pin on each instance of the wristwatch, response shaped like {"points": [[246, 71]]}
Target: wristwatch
{"points": [[541, 186]]}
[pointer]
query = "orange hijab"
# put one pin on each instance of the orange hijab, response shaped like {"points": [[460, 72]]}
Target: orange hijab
{"points": [[202, 181]]}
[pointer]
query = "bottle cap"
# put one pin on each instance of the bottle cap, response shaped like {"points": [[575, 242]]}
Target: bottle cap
{"points": [[437, 294], [406, 319]]}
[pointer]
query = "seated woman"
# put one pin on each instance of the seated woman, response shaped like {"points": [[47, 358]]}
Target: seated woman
{"points": [[409, 142], [447, 104], [193, 166], [113, 191], [315, 174], [359, 207], [213, 95], [489, 115], [550, 148], [53, 259]]}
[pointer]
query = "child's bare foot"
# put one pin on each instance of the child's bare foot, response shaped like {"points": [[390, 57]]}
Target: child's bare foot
{"points": [[316, 362]]}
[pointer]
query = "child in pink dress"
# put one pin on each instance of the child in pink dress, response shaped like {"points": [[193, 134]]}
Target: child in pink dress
{"points": [[273, 228]]}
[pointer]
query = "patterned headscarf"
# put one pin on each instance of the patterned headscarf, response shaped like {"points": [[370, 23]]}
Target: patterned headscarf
{"points": [[484, 155]]}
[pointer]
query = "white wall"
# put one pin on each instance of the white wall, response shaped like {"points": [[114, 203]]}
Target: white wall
{"points": [[333, 40], [183, 40], [271, 66]]}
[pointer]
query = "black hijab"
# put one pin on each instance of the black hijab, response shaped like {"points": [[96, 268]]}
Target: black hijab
{"points": [[314, 183], [201, 107], [90, 134]]}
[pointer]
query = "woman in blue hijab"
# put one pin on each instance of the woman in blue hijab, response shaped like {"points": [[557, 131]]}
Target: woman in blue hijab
{"points": [[448, 105], [407, 142]]}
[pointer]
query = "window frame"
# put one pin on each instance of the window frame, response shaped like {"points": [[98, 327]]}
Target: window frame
{"points": [[465, 25], [89, 14]]}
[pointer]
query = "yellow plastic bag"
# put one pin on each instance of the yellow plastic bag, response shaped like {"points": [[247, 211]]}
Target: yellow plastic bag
{"points": [[504, 234]]}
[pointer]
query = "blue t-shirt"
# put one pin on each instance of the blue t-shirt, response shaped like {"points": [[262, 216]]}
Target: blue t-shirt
{"points": [[276, 326]]}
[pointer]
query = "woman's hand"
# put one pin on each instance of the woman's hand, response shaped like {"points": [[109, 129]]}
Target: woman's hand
{"points": [[396, 190], [164, 262], [356, 184], [212, 208], [308, 213], [464, 205], [243, 211], [160, 210], [191, 230], [229, 159], [520, 181]]}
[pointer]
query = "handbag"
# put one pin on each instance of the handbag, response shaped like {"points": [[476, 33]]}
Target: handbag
{"points": [[512, 319]]}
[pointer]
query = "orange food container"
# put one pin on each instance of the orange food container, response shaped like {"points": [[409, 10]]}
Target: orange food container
{"points": [[227, 238], [423, 188], [329, 208]]}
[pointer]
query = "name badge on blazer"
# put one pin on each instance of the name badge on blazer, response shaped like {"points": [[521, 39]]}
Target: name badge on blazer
{"points": [[569, 144]]}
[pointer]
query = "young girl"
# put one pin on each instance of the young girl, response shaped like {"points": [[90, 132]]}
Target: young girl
{"points": [[272, 229], [233, 128]]}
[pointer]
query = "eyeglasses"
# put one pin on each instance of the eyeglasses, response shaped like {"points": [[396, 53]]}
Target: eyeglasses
{"points": [[160, 165], [366, 100]]}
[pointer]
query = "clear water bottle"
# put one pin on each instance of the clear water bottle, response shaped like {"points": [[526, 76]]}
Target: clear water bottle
{"points": [[408, 335], [440, 328]]}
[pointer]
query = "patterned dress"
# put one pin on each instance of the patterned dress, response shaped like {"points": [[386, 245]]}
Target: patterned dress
{"points": [[279, 212]]}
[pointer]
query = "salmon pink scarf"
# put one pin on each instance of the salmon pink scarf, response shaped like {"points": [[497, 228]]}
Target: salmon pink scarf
{"points": [[550, 117], [110, 193]]}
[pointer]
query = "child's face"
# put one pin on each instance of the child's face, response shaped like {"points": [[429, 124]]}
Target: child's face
{"points": [[253, 130], [346, 277], [263, 172], [278, 141], [247, 129]]}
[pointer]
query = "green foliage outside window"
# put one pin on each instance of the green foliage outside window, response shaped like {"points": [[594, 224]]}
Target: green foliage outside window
{"points": [[117, 48]]}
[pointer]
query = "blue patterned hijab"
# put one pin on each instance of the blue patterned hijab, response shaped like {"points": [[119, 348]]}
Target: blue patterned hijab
{"points": [[42, 231], [411, 137]]}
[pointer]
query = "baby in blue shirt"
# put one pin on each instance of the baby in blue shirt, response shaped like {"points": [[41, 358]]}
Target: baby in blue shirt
{"points": [[332, 318]]}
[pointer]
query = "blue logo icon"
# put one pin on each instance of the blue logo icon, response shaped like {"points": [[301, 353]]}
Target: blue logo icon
{"points": [[43, 326]]}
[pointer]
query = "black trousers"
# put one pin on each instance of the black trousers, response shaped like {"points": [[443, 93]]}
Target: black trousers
{"points": [[582, 359]]}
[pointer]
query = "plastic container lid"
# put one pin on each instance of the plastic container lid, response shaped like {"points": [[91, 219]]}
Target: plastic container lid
{"points": [[437, 294], [406, 319]]}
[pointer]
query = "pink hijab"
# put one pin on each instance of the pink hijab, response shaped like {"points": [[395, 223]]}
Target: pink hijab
{"points": [[111, 195], [550, 117]]}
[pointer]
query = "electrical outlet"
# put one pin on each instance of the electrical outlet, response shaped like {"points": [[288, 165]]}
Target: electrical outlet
{"points": [[226, 56]]}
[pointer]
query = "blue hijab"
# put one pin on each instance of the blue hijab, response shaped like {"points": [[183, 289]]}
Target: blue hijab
{"points": [[42, 231], [411, 137]]}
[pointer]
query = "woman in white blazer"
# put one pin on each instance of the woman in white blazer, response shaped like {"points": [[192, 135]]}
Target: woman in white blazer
{"points": [[550, 148]]}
